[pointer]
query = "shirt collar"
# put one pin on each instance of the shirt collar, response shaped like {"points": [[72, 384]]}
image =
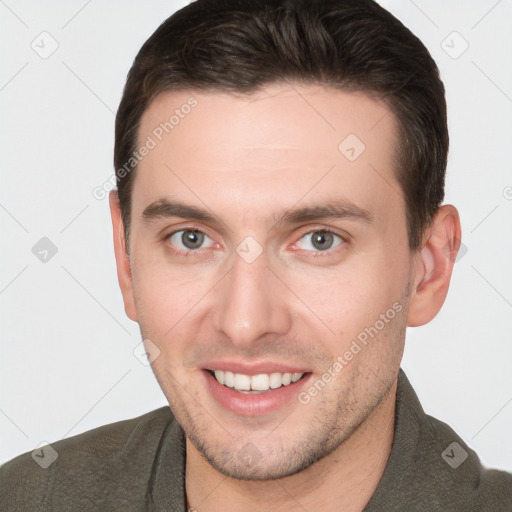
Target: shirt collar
{"points": [[413, 434]]}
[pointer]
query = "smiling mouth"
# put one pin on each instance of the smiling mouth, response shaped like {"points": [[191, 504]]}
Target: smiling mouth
{"points": [[255, 384]]}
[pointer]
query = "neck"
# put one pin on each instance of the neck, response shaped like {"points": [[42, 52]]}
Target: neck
{"points": [[344, 480]]}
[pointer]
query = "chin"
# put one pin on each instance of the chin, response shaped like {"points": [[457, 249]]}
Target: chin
{"points": [[243, 460]]}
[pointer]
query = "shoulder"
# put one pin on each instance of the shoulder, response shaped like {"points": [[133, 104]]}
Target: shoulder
{"points": [[460, 475], [430, 467], [114, 454]]}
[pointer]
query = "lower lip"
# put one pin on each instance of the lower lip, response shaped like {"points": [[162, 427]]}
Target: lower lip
{"points": [[247, 404]]}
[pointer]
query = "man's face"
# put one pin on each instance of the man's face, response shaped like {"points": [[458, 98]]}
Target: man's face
{"points": [[257, 292]]}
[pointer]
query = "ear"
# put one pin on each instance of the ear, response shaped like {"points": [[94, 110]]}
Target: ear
{"points": [[434, 265], [124, 273]]}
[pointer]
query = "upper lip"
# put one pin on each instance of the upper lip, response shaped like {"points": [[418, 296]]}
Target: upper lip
{"points": [[255, 368]]}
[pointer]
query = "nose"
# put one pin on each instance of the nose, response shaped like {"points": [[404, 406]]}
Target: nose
{"points": [[253, 303]]}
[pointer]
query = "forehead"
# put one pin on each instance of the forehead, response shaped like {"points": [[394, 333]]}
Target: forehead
{"points": [[283, 144]]}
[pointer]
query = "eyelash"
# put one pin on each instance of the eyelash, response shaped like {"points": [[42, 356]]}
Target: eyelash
{"points": [[315, 254]]}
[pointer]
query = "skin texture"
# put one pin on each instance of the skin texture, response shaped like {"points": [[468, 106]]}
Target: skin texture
{"points": [[248, 160]]}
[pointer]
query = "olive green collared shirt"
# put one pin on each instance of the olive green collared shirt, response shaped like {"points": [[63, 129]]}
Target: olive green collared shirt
{"points": [[139, 465]]}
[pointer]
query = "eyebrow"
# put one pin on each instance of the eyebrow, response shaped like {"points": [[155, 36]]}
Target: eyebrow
{"points": [[334, 209], [164, 208], [337, 209]]}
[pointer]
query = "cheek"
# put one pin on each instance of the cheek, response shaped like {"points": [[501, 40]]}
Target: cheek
{"points": [[168, 300], [355, 298]]}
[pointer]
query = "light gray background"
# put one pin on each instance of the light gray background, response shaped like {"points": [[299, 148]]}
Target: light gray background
{"points": [[66, 354]]}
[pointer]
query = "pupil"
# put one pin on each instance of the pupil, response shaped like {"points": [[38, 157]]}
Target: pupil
{"points": [[322, 239], [192, 239]]}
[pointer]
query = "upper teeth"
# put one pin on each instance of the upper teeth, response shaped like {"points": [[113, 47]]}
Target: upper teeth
{"points": [[260, 382]]}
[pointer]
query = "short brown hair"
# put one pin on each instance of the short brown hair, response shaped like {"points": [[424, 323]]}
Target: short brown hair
{"points": [[354, 45]]}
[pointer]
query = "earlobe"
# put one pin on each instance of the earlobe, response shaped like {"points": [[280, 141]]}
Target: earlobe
{"points": [[124, 271], [434, 266]]}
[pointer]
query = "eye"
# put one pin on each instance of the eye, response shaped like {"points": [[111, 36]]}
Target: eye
{"points": [[188, 240], [320, 240]]}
